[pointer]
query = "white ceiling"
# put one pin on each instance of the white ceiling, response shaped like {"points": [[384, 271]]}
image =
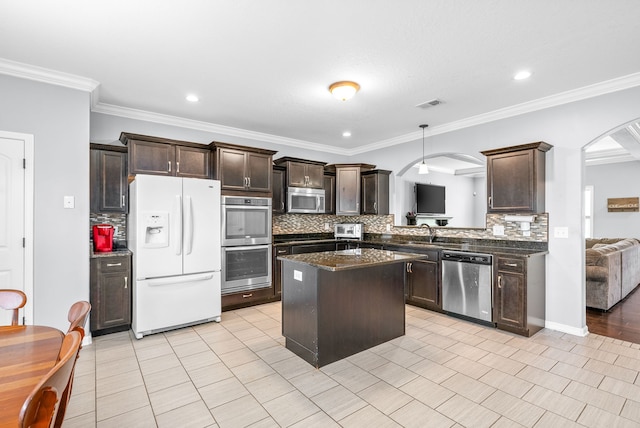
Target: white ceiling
{"points": [[263, 67]]}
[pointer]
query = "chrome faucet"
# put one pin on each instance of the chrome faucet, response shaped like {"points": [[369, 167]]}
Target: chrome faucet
{"points": [[432, 232]]}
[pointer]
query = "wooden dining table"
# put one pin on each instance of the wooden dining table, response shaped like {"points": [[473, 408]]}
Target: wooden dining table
{"points": [[27, 352]]}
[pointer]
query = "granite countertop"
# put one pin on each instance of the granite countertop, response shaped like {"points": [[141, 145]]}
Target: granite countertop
{"points": [[352, 259], [515, 248], [117, 251]]}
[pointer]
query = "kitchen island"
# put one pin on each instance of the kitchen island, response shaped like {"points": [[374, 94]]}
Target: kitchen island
{"points": [[338, 303]]}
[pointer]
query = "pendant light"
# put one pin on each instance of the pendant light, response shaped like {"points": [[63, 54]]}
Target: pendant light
{"points": [[424, 169]]}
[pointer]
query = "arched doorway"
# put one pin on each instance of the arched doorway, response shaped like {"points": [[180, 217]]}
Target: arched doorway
{"points": [[612, 171]]}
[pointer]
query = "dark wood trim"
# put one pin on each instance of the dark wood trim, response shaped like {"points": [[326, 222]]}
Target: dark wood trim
{"points": [[540, 145], [125, 137], [216, 144], [108, 147], [284, 160]]}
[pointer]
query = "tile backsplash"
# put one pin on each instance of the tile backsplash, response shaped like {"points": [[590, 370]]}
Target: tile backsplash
{"points": [[323, 223]]}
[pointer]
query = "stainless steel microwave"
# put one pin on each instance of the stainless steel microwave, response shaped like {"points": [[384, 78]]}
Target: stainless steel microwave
{"points": [[304, 200]]}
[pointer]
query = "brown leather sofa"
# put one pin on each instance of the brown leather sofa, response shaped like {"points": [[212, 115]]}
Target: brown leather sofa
{"points": [[612, 270]]}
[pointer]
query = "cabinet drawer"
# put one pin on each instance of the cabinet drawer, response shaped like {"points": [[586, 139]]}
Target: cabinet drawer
{"points": [[247, 297], [511, 264], [113, 264]]}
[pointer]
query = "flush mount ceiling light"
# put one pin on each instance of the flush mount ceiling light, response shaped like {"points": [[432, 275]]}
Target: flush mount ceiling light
{"points": [[192, 98], [424, 169], [344, 90], [346, 134], [522, 75]]}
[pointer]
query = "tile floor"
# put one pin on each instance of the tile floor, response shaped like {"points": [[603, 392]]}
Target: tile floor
{"points": [[444, 373]]}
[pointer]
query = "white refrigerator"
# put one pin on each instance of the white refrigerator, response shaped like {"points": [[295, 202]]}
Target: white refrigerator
{"points": [[174, 234]]}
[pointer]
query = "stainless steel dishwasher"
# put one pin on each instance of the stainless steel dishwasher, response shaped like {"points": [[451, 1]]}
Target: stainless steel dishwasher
{"points": [[467, 280]]}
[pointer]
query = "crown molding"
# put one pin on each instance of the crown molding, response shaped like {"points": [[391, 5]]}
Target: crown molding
{"points": [[165, 119], [602, 88], [72, 81], [45, 75]]}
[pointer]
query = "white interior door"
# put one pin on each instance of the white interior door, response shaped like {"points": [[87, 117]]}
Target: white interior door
{"points": [[13, 219]]}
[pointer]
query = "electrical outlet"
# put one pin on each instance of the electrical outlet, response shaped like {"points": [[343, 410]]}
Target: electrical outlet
{"points": [[561, 232], [388, 228], [326, 226], [297, 275]]}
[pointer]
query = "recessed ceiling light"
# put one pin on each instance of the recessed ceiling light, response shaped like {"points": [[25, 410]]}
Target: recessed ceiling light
{"points": [[193, 98], [521, 75], [346, 134]]}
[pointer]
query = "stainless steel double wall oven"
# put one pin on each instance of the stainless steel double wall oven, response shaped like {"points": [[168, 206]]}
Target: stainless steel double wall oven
{"points": [[246, 243]]}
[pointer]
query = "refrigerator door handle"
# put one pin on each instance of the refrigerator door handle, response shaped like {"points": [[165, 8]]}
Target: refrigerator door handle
{"points": [[180, 280], [177, 224], [188, 225]]}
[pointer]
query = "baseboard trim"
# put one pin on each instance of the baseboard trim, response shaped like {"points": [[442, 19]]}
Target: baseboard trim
{"points": [[575, 331]]}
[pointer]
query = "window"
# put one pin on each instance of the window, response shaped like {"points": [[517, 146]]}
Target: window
{"points": [[588, 212]]}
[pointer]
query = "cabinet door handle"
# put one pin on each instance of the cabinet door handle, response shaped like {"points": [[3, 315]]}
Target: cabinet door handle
{"points": [[177, 167], [282, 251], [169, 162], [511, 264], [113, 264], [248, 181], [123, 201], [409, 267], [499, 281], [490, 201], [282, 203], [375, 206], [125, 282], [245, 296]]}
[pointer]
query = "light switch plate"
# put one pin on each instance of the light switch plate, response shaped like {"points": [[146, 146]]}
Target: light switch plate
{"points": [[69, 202]]}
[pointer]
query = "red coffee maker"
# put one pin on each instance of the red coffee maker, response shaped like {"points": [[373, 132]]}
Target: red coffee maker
{"points": [[102, 238]]}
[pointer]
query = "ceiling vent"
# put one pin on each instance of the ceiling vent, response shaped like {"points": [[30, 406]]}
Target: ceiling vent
{"points": [[428, 104]]}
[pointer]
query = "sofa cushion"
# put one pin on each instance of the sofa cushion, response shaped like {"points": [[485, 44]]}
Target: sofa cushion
{"points": [[591, 257]]}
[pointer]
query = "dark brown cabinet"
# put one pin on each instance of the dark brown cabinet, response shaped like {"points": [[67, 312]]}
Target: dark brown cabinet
{"points": [[276, 268], [422, 278], [348, 187], [302, 172], [519, 293], [161, 156], [108, 179], [516, 178], [243, 170], [110, 294], [375, 192], [329, 193], [278, 204]]}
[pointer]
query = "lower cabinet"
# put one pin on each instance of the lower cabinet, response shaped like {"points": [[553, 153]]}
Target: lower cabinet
{"points": [[110, 294], [247, 298], [422, 281], [519, 294], [276, 267]]}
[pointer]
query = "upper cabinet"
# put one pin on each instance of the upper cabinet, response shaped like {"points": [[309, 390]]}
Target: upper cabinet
{"points": [[375, 192], [516, 178], [161, 156], [303, 173], [243, 170], [279, 195], [329, 192], [348, 187], [108, 179]]}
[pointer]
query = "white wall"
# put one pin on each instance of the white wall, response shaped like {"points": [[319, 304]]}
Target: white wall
{"points": [[619, 180], [59, 120]]}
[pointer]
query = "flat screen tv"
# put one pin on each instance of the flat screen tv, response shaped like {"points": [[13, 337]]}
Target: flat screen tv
{"points": [[430, 199]]}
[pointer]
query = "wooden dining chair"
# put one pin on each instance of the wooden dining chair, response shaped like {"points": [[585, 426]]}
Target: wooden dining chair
{"points": [[77, 316], [12, 300], [42, 406]]}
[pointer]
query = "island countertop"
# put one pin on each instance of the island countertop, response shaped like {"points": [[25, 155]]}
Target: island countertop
{"points": [[352, 259]]}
